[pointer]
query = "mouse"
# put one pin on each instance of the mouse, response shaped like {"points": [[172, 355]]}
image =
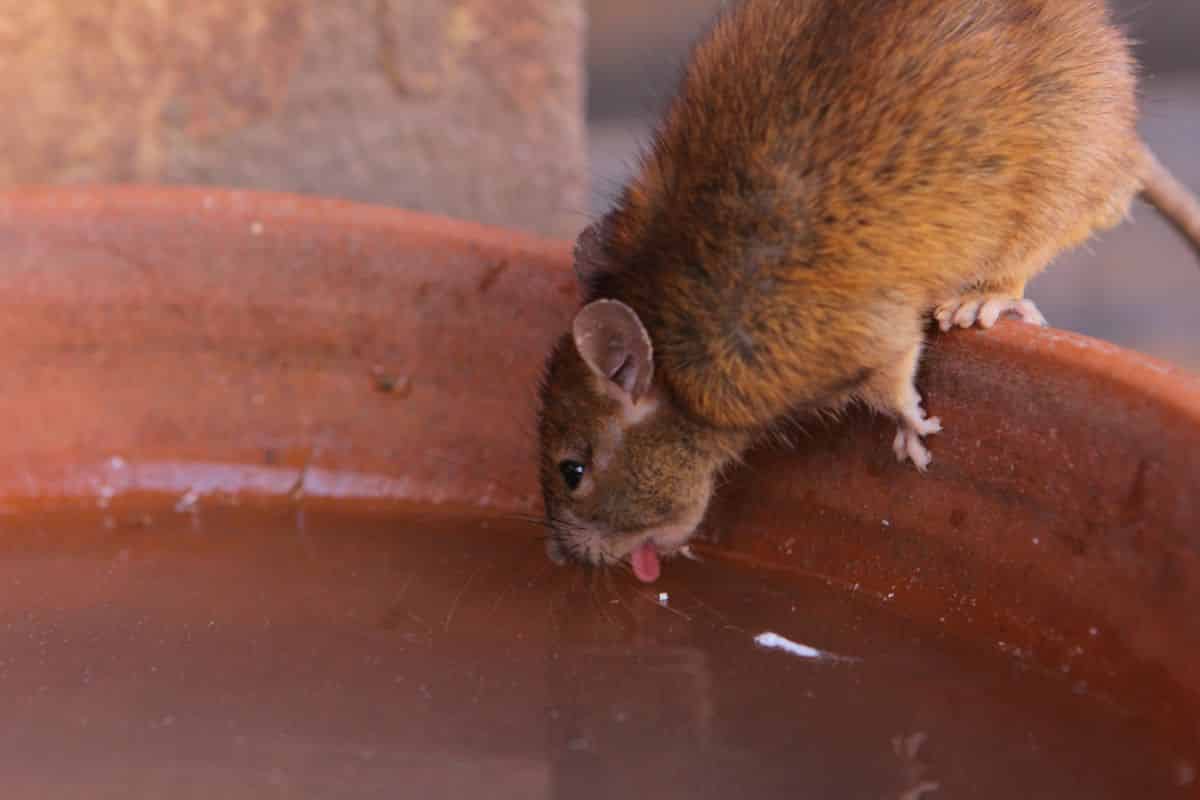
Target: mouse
{"points": [[831, 179]]}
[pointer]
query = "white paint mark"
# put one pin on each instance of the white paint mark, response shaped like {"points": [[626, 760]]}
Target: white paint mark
{"points": [[664, 598], [773, 641]]}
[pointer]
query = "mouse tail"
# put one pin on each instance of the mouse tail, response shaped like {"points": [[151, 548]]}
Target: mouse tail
{"points": [[1173, 200]]}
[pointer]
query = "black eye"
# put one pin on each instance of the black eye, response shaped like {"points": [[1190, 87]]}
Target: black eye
{"points": [[572, 472]]}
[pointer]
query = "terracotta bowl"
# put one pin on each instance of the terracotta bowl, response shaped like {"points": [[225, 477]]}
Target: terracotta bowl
{"points": [[180, 363]]}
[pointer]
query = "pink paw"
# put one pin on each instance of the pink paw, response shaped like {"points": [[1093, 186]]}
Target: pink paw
{"points": [[908, 444], [985, 311]]}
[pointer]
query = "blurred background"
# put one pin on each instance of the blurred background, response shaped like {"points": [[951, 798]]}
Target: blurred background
{"points": [[1138, 285]]}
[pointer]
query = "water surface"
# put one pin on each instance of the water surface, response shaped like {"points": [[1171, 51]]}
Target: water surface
{"points": [[251, 653]]}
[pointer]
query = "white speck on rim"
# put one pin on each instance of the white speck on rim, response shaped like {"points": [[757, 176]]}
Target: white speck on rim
{"points": [[773, 641], [188, 501], [664, 598]]}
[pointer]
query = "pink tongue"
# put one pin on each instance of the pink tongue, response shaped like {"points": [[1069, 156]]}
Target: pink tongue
{"points": [[645, 563]]}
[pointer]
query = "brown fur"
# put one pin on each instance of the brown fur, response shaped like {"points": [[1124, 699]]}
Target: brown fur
{"points": [[832, 170]]}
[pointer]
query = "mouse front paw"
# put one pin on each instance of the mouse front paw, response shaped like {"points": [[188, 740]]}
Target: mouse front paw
{"points": [[984, 310]]}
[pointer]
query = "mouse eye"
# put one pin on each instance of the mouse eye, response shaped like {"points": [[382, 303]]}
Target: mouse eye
{"points": [[572, 472]]}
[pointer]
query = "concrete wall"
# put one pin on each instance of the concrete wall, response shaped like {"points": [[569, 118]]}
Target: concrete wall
{"points": [[471, 108]]}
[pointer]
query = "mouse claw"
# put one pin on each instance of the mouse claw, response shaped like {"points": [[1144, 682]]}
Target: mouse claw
{"points": [[687, 552]]}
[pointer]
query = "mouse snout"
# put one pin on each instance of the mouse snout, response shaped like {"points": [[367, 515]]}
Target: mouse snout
{"points": [[596, 542], [572, 538]]}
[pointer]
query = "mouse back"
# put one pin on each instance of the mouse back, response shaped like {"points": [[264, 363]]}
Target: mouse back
{"points": [[828, 171]]}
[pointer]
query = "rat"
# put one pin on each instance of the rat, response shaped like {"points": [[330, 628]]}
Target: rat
{"points": [[830, 176]]}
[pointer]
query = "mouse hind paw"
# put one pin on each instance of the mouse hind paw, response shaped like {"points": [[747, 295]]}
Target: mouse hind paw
{"points": [[891, 391], [913, 427]]}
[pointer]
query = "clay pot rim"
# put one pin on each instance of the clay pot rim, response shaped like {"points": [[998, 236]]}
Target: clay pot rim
{"points": [[234, 211], [159, 200], [1159, 379]]}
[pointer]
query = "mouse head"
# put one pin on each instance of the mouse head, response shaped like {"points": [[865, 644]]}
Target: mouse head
{"points": [[624, 474]]}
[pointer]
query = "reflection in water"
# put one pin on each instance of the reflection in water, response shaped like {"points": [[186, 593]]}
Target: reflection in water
{"points": [[908, 750], [443, 656]]}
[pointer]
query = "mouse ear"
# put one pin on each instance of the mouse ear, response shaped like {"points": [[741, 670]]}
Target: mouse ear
{"points": [[614, 343], [589, 254]]}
